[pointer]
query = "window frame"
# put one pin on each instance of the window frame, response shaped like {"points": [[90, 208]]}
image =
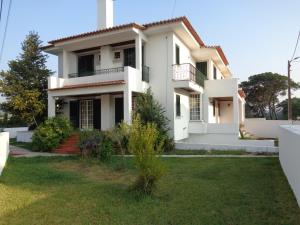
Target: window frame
{"points": [[178, 106], [215, 73], [195, 107], [177, 54]]}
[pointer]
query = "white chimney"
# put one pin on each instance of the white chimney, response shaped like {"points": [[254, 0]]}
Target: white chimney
{"points": [[105, 10]]}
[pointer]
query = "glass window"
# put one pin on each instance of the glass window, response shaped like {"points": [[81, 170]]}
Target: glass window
{"points": [[177, 55], [195, 107], [178, 110], [215, 73], [86, 114]]}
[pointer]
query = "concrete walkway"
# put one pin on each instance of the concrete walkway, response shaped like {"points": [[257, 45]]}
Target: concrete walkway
{"points": [[18, 152]]}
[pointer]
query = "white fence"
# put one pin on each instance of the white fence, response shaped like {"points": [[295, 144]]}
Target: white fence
{"points": [[266, 128], [13, 131], [4, 149], [289, 155]]}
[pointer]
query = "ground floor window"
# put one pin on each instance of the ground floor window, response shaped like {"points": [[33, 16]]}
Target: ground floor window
{"points": [[178, 106], [195, 107], [86, 114]]}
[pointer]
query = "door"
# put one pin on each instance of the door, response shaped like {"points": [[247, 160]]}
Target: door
{"points": [[129, 57], [85, 65], [119, 110], [86, 114], [74, 113], [97, 114]]}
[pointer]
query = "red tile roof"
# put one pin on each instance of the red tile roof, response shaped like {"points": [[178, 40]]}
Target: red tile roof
{"points": [[98, 84], [183, 19], [242, 93]]}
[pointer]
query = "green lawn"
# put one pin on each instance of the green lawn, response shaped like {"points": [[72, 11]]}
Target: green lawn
{"points": [[208, 191]]}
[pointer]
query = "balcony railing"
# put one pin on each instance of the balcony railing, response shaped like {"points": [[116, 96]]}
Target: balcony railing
{"points": [[145, 74], [97, 72], [187, 71]]}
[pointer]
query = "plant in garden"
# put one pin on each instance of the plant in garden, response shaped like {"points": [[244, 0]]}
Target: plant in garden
{"points": [[51, 133], [151, 111], [94, 143], [143, 144]]}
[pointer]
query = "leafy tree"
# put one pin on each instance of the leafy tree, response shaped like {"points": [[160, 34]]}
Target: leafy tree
{"points": [[263, 92], [295, 108], [24, 85], [151, 111]]}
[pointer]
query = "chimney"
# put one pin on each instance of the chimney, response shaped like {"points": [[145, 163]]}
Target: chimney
{"points": [[105, 11]]}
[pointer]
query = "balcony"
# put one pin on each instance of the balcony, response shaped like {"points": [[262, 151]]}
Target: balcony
{"points": [[187, 72], [97, 72]]}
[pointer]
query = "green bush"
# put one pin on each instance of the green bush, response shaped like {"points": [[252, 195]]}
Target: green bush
{"points": [[143, 145], [94, 143], [151, 111], [51, 133]]}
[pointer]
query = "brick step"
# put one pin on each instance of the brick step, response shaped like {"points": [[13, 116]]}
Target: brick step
{"points": [[69, 146]]}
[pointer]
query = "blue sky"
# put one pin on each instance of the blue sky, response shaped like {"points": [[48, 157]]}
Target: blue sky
{"points": [[256, 35]]}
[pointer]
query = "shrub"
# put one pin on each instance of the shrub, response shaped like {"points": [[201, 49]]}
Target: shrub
{"points": [[143, 145], [94, 143], [51, 133], [151, 111]]}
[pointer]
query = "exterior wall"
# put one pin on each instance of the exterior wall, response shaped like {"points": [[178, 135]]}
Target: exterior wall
{"points": [[13, 131], [210, 71], [266, 128], [4, 149], [226, 112], [289, 156], [24, 136]]}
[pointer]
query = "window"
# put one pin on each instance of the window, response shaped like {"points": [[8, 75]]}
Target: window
{"points": [[86, 114], [117, 55], [215, 73], [195, 107], [177, 55], [85, 65], [214, 108], [202, 67], [178, 110], [129, 57]]}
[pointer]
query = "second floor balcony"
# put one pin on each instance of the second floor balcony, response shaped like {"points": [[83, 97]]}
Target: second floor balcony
{"points": [[187, 72]]}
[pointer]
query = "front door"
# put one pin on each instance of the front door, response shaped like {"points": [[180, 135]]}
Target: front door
{"points": [[119, 110], [86, 114]]}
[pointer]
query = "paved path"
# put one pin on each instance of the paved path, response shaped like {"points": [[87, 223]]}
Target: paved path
{"points": [[18, 152]]}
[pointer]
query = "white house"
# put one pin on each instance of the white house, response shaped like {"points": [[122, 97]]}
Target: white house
{"points": [[101, 72]]}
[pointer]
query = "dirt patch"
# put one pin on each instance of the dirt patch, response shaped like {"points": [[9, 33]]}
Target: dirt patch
{"points": [[96, 172]]}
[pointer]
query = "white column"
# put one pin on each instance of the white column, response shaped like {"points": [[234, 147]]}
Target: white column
{"points": [[66, 69], [105, 112], [51, 106], [127, 98], [235, 110], [138, 52]]}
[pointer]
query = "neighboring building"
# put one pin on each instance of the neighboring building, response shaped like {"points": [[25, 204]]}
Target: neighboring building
{"points": [[101, 72]]}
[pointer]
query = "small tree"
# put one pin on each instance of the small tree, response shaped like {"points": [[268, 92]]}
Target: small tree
{"points": [[24, 85], [151, 111], [143, 145]]}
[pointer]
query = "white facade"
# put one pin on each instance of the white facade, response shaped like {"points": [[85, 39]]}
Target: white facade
{"points": [[126, 61]]}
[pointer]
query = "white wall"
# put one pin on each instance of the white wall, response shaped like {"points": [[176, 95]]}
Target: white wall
{"points": [[226, 112], [181, 123], [266, 128], [289, 155], [4, 149], [24, 136], [13, 131]]}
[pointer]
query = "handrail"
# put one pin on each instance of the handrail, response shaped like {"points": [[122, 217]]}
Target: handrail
{"points": [[187, 71], [97, 72]]}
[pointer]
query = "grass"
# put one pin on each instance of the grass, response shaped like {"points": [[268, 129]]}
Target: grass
{"points": [[197, 191], [25, 145]]}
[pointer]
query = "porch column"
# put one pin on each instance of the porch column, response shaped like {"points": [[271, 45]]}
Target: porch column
{"points": [[235, 110], [105, 112], [65, 62], [127, 106], [51, 106], [138, 52]]}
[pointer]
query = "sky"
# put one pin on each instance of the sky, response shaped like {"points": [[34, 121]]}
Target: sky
{"points": [[256, 35]]}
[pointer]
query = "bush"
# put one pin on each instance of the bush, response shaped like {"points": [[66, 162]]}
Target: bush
{"points": [[94, 143], [51, 133], [143, 145], [151, 111]]}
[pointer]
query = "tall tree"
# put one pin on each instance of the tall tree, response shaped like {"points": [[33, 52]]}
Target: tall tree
{"points": [[24, 85], [263, 92], [295, 108]]}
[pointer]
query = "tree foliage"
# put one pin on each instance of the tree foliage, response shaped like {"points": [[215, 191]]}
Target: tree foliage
{"points": [[24, 85], [295, 108], [263, 92]]}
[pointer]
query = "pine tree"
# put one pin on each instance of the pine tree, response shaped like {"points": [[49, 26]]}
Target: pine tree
{"points": [[24, 85]]}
